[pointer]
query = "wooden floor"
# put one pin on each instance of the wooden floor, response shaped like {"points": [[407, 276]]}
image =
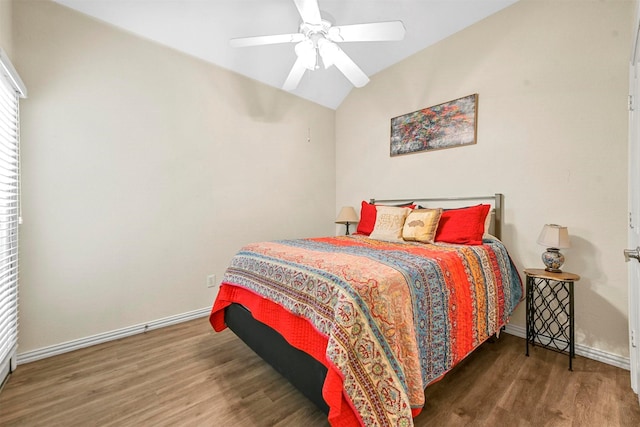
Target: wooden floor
{"points": [[187, 375]]}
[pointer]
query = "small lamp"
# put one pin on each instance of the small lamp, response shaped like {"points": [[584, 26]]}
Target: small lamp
{"points": [[346, 216], [554, 237]]}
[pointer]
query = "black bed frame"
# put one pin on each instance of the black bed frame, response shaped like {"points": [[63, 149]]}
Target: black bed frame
{"points": [[303, 371]]}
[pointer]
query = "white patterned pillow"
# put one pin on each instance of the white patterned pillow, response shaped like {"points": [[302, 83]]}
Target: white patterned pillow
{"points": [[421, 225], [389, 223]]}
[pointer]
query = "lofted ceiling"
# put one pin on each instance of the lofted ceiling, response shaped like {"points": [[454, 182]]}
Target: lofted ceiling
{"points": [[202, 28]]}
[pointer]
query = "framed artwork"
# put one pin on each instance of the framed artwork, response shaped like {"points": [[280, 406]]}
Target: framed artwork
{"points": [[446, 125]]}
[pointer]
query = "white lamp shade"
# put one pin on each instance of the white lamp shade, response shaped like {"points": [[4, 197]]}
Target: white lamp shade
{"points": [[554, 236], [328, 50], [347, 214], [307, 53]]}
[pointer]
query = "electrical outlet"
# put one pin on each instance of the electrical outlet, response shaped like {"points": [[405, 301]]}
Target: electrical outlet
{"points": [[211, 281]]}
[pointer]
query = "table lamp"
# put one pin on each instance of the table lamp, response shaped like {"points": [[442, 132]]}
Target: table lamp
{"points": [[347, 216], [554, 237]]}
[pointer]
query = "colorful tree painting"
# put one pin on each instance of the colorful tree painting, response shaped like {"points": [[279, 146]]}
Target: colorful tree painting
{"points": [[446, 125]]}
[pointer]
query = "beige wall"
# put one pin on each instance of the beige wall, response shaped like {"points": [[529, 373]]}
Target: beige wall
{"points": [[144, 170], [552, 79], [6, 25]]}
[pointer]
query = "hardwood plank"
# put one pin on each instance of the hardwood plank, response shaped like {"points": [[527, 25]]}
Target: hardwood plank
{"points": [[188, 375]]}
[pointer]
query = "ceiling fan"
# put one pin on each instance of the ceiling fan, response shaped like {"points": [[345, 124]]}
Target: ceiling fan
{"points": [[318, 39]]}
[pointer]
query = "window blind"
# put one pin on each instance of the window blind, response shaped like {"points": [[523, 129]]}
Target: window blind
{"points": [[11, 89]]}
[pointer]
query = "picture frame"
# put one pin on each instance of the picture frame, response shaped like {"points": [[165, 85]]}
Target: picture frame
{"points": [[447, 125]]}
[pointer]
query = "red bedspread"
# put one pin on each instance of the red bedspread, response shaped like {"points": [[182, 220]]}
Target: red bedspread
{"points": [[386, 319], [300, 334]]}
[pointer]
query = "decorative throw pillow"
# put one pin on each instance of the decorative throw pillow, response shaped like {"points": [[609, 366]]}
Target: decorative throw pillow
{"points": [[421, 225], [464, 225], [389, 223], [368, 216]]}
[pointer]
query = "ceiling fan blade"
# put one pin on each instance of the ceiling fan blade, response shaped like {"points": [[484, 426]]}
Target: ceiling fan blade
{"points": [[309, 11], [371, 32], [295, 75], [264, 40], [351, 71]]}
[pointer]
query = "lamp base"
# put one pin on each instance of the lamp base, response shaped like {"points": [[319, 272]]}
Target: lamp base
{"points": [[553, 260]]}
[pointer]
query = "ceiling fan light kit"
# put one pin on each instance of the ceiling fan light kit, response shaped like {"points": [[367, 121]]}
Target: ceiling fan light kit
{"points": [[317, 40]]}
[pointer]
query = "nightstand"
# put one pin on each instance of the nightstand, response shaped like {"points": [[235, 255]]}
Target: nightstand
{"points": [[550, 315]]}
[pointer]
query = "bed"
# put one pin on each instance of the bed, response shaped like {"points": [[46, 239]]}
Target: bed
{"points": [[362, 324]]}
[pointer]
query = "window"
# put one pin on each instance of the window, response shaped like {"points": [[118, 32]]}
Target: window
{"points": [[11, 89]]}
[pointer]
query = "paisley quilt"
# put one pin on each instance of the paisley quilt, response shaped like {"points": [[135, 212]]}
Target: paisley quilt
{"points": [[391, 317]]}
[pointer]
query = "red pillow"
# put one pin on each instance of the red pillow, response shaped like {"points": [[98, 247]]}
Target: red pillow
{"points": [[368, 214], [464, 225], [367, 218]]}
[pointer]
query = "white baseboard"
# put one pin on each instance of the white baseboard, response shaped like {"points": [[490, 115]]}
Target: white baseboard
{"points": [[33, 355], [581, 350], [41, 353]]}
